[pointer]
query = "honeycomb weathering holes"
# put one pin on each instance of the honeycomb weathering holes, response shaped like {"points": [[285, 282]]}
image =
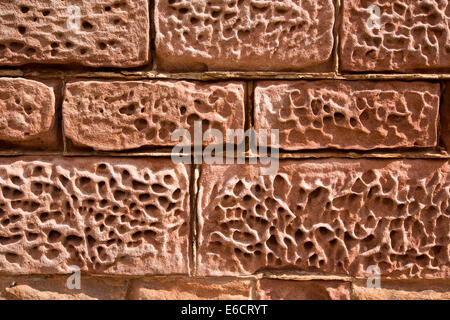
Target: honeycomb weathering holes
{"points": [[39, 33], [243, 35], [145, 113], [103, 215], [349, 115], [337, 217]]}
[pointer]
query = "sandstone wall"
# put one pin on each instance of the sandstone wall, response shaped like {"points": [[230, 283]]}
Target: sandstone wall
{"points": [[91, 92]]}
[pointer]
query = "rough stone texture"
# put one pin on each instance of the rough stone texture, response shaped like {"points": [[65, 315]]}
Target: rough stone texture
{"points": [[110, 34], [269, 289], [104, 215], [336, 216], [243, 35], [51, 288], [412, 35], [124, 115], [396, 290], [445, 119], [349, 115], [190, 289], [27, 112], [364, 179]]}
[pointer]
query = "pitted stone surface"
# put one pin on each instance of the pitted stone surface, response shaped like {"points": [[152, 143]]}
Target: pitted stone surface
{"points": [[410, 36], [243, 35], [271, 289], [336, 216], [190, 289], [27, 110], [108, 33], [123, 115], [104, 215], [349, 115]]}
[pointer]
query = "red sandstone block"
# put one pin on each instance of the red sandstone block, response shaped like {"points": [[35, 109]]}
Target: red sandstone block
{"points": [[359, 115], [27, 113], [100, 33], [104, 215], [189, 289], [55, 288], [336, 216], [130, 114], [271, 289], [409, 36], [400, 290], [244, 35]]}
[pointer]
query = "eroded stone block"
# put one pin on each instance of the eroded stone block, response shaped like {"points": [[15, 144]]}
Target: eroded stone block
{"points": [[104, 215], [271, 289], [335, 216], [243, 35], [100, 33], [123, 115], [359, 115], [409, 36], [190, 289], [27, 112], [398, 290], [55, 288]]}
